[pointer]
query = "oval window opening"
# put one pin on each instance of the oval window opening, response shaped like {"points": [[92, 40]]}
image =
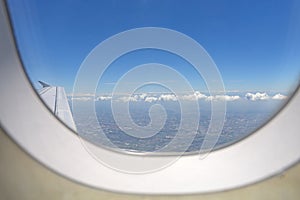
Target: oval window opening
{"points": [[158, 76]]}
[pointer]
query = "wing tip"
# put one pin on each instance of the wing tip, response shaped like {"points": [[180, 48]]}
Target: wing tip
{"points": [[44, 84]]}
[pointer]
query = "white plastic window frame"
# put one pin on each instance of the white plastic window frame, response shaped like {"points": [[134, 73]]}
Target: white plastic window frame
{"points": [[267, 152]]}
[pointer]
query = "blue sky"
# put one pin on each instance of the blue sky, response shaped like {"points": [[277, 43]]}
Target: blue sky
{"points": [[255, 43]]}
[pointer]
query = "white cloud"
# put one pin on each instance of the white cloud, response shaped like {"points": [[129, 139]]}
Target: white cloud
{"points": [[223, 98], [143, 96], [167, 97], [137, 97], [189, 97], [131, 98], [81, 95], [279, 97], [172, 97], [83, 98], [150, 99], [199, 95], [196, 96], [257, 96], [104, 98]]}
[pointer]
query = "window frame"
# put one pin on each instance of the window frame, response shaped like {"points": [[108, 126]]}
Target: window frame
{"points": [[29, 123]]}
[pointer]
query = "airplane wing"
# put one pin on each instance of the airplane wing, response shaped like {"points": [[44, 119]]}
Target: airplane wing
{"points": [[56, 99]]}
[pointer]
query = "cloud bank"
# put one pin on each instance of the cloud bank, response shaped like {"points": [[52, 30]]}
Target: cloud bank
{"points": [[257, 96], [81, 98], [167, 97], [279, 97], [104, 98], [196, 96], [223, 98], [263, 96]]}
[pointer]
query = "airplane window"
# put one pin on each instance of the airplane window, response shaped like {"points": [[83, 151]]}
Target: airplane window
{"points": [[160, 76]]}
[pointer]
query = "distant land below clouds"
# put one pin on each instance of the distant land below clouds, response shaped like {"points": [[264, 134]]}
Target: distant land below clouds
{"points": [[155, 97]]}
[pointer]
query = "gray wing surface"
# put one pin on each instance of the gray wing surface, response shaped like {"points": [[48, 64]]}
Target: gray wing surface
{"points": [[56, 99]]}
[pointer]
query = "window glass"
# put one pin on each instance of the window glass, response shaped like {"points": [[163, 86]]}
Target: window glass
{"points": [[248, 54]]}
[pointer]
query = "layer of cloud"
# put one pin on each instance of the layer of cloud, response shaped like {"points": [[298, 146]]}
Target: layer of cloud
{"points": [[130, 98], [258, 96], [150, 99], [279, 97], [264, 96], [104, 98], [199, 96], [196, 96], [82, 98], [223, 98], [167, 97]]}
